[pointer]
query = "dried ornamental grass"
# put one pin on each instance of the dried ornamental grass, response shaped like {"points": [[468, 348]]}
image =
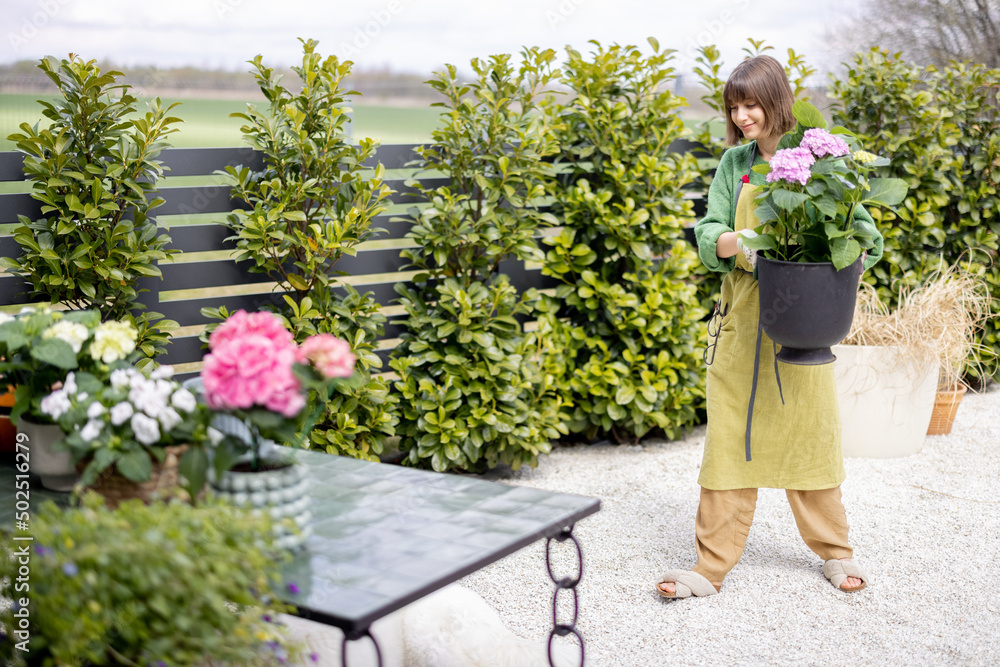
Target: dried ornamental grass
{"points": [[939, 319]]}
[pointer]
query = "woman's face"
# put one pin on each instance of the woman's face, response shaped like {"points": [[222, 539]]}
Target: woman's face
{"points": [[749, 117]]}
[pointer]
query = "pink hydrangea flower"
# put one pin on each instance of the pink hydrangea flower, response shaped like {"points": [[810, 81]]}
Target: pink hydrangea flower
{"points": [[331, 356], [821, 143], [252, 369], [792, 165], [242, 323]]}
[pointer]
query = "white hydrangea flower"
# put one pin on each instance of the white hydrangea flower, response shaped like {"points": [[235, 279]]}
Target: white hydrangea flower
{"points": [[121, 377], [164, 388], [145, 397], [91, 431], [95, 410], [121, 413], [113, 340], [184, 400], [162, 373], [214, 435], [169, 418], [82, 396], [56, 404], [70, 384], [73, 333], [146, 429], [4, 318]]}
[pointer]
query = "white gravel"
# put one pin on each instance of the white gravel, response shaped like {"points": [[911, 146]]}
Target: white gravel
{"points": [[931, 552]]}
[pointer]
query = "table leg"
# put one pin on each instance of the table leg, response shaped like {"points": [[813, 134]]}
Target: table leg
{"points": [[353, 637], [570, 583]]}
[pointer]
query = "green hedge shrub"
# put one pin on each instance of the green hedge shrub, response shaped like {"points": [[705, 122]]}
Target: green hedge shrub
{"points": [[471, 390], [93, 169], [313, 204], [625, 323], [942, 132]]}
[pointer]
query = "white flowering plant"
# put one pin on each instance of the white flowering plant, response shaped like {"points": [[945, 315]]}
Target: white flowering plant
{"points": [[39, 346], [127, 420], [815, 183]]}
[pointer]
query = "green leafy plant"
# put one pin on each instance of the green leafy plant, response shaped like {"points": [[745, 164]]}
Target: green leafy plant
{"points": [[473, 394], [941, 131], [890, 108], [94, 169], [40, 347], [625, 327], [816, 182], [313, 203], [144, 585]]}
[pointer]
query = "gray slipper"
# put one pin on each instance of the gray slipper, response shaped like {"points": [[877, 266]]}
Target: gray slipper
{"points": [[837, 571], [687, 583]]}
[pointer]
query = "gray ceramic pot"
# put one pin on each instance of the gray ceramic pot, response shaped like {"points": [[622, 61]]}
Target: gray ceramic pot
{"points": [[282, 491]]}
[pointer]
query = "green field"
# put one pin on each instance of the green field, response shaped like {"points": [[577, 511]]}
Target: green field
{"points": [[207, 122]]}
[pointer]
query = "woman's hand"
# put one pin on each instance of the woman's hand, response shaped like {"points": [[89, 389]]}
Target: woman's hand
{"points": [[726, 245]]}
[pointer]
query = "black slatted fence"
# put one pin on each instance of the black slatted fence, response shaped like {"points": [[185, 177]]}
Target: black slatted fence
{"points": [[204, 273]]}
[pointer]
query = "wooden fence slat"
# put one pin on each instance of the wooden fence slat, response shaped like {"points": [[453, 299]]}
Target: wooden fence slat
{"points": [[187, 312], [11, 163], [15, 204], [204, 161]]}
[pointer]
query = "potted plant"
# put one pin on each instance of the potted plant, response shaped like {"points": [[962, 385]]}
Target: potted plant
{"points": [[40, 347], [887, 375], [809, 234], [132, 433], [145, 585], [269, 390], [94, 169], [898, 372]]}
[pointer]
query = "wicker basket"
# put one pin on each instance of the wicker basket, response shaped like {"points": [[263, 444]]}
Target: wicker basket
{"points": [[945, 407], [162, 482]]}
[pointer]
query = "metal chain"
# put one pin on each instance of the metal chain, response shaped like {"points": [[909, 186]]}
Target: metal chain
{"points": [[570, 583], [355, 636]]}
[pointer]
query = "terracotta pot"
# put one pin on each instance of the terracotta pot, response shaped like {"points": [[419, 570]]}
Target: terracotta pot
{"points": [[945, 407], [8, 432]]}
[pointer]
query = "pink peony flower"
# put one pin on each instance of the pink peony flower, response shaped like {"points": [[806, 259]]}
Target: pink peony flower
{"points": [[821, 143], [331, 356], [792, 165], [242, 323]]}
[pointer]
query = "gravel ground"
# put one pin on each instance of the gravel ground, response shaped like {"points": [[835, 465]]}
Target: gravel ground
{"points": [[926, 527]]}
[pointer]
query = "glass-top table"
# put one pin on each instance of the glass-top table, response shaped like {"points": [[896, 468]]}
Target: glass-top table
{"points": [[385, 536]]}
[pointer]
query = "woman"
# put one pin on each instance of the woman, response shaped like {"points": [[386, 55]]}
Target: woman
{"points": [[791, 437]]}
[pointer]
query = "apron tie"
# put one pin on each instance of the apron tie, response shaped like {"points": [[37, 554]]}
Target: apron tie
{"points": [[756, 373]]}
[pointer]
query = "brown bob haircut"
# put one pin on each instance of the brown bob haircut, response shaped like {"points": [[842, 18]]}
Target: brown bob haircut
{"points": [[760, 79]]}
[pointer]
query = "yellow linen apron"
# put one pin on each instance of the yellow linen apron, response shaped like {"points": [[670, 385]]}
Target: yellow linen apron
{"points": [[795, 445]]}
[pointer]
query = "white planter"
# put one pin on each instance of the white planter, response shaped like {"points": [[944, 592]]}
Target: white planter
{"points": [[54, 468], [886, 399], [283, 492]]}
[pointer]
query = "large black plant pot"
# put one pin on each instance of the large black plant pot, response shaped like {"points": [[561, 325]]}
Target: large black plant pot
{"points": [[805, 308]]}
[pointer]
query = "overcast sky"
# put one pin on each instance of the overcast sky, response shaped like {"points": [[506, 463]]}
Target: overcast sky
{"points": [[405, 35]]}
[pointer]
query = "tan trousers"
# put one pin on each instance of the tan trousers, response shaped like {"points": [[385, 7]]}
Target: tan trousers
{"points": [[724, 519]]}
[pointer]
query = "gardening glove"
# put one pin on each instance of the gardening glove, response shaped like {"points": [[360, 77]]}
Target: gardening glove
{"points": [[751, 255]]}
